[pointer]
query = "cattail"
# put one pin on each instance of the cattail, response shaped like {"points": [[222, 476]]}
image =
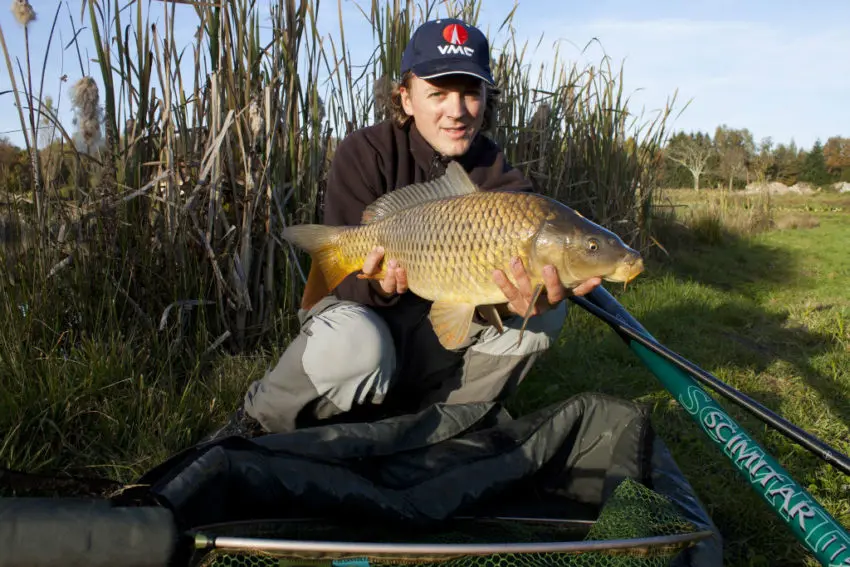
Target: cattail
{"points": [[84, 99], [255, 119], [23, 12]]}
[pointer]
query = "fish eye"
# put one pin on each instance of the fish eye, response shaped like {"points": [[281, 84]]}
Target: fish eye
{"points": [[593, 245]]}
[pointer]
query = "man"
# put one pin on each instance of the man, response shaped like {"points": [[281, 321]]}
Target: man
{"points": [[368, 350]]}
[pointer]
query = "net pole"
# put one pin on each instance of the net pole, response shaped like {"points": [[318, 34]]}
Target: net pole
{"points": [[813, 526], [206, 541]]}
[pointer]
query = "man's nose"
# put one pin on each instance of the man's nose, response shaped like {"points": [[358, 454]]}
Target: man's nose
{"points": [[456, 105]]}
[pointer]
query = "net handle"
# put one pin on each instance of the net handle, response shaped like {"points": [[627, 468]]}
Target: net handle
{"points": [[209, 542]]}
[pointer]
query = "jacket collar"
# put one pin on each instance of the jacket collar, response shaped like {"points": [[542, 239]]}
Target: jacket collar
{"points": [[427, 157]]}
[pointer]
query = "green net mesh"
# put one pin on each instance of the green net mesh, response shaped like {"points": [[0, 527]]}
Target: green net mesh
{"points": [[633, 512]]}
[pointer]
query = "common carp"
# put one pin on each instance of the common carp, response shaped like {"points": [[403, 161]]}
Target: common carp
{"points": [[450, 236]]}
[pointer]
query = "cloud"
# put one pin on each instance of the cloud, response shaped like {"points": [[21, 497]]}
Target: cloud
{"points": [[777, 79]]}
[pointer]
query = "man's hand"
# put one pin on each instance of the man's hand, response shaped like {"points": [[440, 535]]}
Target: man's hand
{"points": [[586, 287], [520, 296], [395, 279]]}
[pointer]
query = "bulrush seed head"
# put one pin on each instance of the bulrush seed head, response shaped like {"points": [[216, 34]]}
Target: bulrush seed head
{"points": [[84, 99], [255, 119], [23, 12]]}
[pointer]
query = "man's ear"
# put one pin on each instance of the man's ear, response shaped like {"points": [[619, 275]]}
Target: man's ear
{"points": [[405, 100]]}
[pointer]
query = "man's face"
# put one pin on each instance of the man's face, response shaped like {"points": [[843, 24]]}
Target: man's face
{"points": [[448, 111]]}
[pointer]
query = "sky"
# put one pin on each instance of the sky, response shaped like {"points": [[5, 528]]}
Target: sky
{"points": [[778, 68]]}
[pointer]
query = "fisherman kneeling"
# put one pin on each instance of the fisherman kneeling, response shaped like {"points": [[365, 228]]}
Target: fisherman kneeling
{"points": [[369, 350]]}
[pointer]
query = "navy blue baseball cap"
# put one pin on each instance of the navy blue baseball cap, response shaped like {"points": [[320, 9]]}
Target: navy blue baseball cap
{"points": [[446, 47]]}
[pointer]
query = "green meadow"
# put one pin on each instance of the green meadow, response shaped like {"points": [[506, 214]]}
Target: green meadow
{"points": [[767, 312]]}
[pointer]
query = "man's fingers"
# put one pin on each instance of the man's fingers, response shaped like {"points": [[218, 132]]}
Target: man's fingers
{"points": [[523, 283], [555, 291], [373, 261], [587, 286], [389, 282], [400, 280], [501, 280]]}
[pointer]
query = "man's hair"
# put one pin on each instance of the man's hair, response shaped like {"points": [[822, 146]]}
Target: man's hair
{"points": [[400, 117]]}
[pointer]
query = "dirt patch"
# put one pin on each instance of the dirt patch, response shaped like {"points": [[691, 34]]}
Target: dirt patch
{"points": [[777, 188], [794, 221]]}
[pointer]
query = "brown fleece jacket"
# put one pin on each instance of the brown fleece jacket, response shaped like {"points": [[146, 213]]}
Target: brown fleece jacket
{"points": [[375, 160]]}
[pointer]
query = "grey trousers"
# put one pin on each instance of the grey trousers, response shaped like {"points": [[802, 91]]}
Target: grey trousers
{"points": [[348, 360]]}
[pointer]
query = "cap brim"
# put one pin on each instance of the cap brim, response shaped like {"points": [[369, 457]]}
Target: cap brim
{"points": [[434, 69]]}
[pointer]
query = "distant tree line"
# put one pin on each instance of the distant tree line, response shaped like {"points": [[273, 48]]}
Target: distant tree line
{"points": [[731, 159], [57, 163]]}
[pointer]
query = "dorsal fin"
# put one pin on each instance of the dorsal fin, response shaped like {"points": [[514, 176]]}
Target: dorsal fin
{"points": [[454, 183]]}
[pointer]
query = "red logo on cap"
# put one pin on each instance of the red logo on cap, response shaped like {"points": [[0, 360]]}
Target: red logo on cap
{"points": [[455, 34]]}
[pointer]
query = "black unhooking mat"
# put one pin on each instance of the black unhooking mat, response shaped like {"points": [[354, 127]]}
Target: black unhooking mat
{"points": [[449, 461], [592, 459]]}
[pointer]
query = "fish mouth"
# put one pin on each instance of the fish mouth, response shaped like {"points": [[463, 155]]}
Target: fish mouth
{"points": [[626, 271]]}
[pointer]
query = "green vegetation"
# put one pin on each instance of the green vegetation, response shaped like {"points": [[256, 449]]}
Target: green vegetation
{"points": [[766, 311], [144, 284]]}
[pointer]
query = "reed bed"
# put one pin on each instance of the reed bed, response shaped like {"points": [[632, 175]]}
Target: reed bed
{"points": [[152, 262]]}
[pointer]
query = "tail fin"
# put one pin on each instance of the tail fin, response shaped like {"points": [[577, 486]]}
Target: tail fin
{"points": [[327, 270]]}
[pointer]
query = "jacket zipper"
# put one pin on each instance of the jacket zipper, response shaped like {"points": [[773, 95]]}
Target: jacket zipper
{"points": [[437, 168]]}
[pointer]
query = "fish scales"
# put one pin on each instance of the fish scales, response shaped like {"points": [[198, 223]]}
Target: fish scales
{"points": [[450, 247]]}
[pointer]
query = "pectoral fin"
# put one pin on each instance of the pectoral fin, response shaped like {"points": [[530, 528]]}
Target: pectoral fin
{"points": [[537, 289], [491, 314], [451, 322]]}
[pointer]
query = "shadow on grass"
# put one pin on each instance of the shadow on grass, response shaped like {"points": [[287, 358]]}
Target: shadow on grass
{"points": [[734, 338], [596, 359], [735, 331], [714, 256]]}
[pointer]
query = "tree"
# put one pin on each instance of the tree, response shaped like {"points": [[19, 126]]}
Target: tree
{"points": [[814, 167], [692, 152], [735, 149], [14, 168], [763, 164], [836, 154], [788, 163], [8, 152]]}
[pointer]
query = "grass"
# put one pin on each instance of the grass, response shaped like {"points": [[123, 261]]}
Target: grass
{"points": [[141, 304], [769, 313]]}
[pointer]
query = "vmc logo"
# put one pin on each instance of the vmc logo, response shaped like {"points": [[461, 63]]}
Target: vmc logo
{"points": [[456, 36]]}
